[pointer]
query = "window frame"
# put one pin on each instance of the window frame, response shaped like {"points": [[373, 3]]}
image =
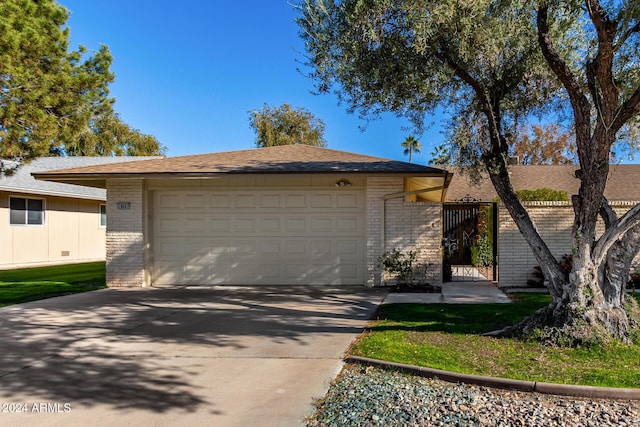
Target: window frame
{"points": [[26, 211], [103, 206]]}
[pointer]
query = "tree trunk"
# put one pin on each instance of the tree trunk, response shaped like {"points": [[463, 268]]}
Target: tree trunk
{"points": [[594, 307]]}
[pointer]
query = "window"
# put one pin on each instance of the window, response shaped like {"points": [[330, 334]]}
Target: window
{"points": [[24, 211], [103, 215]]}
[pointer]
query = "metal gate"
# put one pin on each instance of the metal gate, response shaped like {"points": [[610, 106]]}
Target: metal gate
{"points": [[469, 240]]}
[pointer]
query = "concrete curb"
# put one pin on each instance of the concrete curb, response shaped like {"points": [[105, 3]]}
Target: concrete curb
{"points": [[505, 383]]}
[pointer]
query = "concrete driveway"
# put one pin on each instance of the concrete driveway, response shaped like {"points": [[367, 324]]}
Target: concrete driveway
{"points": [[232, 356]]}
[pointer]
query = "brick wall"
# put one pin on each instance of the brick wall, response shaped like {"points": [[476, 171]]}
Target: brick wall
{"points": [[407, 226], [554, 221], [125, 239]]}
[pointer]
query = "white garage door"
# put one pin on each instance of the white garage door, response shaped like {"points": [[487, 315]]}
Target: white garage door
{"points": [[258, 237]]}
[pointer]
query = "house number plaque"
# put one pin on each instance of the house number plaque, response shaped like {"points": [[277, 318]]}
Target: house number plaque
{"points": [[124, 205]]}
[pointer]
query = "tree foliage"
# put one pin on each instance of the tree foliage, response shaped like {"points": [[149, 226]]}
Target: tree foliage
{"points": [[543, 145], [49, 95], [441, 155], [108, 135], [492, 65], [285, 125], [539, 145], [541, 195], [411, 145]]}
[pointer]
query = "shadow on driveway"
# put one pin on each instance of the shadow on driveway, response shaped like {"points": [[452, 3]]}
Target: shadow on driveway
{"points": [[179, 351]]}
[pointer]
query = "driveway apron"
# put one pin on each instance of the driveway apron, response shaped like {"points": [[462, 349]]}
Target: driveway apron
{"points": [[193, 356]]}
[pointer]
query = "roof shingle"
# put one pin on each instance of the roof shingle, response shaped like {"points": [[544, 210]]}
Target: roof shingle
{"points": [[280, 159], [23, 182], [623, 182]]}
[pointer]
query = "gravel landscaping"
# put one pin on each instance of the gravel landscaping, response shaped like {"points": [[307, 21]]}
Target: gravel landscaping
{"points": [[368, 396]]}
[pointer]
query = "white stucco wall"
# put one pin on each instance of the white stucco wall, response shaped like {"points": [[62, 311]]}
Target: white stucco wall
{"points": [[71, 233]]}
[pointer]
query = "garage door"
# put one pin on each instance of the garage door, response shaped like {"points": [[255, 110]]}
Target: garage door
{"points": [[258, 237]]}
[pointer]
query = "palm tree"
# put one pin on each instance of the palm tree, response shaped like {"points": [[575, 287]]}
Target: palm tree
{"points": [[411, 145]]}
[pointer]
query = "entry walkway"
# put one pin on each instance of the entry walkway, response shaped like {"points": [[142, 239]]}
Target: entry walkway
{"points": [[480, 292]]}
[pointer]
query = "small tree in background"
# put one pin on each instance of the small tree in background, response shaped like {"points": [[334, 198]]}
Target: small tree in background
{"points": [[411, 145], [441, 155], [544, 145], [285, 125]]}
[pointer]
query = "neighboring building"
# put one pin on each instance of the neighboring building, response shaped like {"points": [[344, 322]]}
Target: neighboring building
{"points": [[45, 223], [279, 215]]}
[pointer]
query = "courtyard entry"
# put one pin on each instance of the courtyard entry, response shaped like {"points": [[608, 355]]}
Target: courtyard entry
{"points": [[469, 240]]}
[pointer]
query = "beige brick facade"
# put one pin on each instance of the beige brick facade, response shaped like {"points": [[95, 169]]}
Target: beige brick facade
{"points": [[554, 221], [407, 226], [125, 233]]}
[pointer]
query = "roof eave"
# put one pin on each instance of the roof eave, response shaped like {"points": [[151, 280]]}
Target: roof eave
{"points": [[52, 193], [97, 178]]}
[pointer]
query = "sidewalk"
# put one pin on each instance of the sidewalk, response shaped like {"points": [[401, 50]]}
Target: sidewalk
{"points": [[479, 292]]}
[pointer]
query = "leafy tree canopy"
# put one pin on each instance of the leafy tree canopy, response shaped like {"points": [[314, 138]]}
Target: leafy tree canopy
{"points": [[492, 65], [538, 145], [108, 135], [50, 96], [543, 145], [285, 125]]}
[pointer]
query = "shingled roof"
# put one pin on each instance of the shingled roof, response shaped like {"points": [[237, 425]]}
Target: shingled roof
{"points": [[281, 159], [623, 182], [22, 181]]}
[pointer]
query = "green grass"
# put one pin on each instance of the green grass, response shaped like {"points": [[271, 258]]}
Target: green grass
{"points": [[447, 337], [29, 284]]}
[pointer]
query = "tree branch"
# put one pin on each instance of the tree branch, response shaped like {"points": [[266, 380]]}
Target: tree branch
{"points": [[623, 38], [627, 110], [608, 214], [614, 232], [578, 100]]}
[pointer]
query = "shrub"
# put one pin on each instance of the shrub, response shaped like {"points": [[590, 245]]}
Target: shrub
{"points": [[482, 252], [541, 195], [399, 264], [565, 264]]}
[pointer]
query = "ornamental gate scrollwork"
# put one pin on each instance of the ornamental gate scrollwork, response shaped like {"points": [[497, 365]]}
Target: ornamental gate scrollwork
{"points": [[469, 228]]}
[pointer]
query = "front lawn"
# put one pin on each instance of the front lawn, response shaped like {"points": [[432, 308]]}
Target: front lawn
{"points": [[444, 336], [29, 284]]}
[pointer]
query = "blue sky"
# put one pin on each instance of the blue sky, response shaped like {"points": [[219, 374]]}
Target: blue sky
{"points": [[188, 73]]}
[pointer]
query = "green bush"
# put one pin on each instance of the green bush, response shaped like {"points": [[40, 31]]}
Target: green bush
{"points": [[399, 264], [482, 252], [541, 195]]}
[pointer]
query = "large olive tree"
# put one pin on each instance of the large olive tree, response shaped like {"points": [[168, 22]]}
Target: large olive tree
{"points": [[493, 63]]}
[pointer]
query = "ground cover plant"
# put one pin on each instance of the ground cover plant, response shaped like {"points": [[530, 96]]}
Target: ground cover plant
{"points": [[449, 337], [29, 284]]}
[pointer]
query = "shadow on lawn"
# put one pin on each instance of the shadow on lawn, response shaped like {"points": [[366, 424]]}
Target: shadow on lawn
{"points": [[144, 348], [453, 319]]}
